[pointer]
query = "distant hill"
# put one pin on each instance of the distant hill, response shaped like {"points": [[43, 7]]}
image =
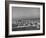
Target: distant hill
{"points": [[26, 19]]}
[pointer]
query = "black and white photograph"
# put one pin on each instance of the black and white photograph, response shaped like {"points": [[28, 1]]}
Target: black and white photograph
{"points": [[25, 18]]}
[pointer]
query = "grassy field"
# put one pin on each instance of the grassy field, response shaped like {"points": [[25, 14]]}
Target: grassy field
{"points": [[25, 28]]}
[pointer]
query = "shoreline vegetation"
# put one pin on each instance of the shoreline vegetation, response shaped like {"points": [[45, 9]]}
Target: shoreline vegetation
{"points": [[26, 24]]}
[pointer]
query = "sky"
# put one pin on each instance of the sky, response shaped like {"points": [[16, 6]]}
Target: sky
{"points": [[23, 12]]}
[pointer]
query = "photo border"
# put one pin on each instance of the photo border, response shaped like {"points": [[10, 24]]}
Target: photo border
{"points": [[25, 32], [7, 18]]}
